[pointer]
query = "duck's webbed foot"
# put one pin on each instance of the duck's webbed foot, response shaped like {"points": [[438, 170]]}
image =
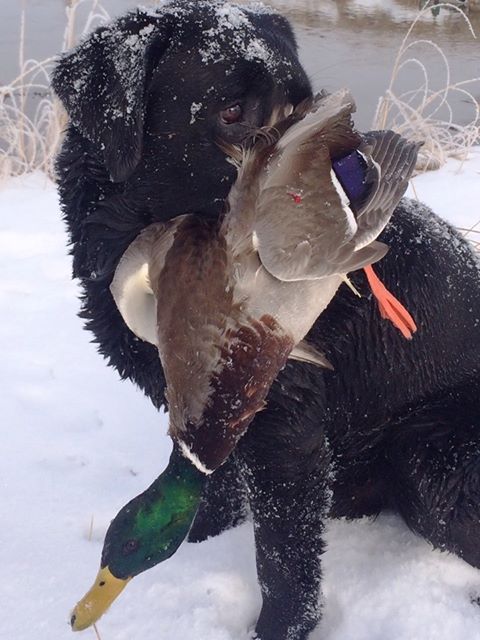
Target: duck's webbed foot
{"points": [[223, 504]]}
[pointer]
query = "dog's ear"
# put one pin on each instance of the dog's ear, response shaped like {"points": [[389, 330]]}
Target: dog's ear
{"points": [[102, 84], [277, 25]]}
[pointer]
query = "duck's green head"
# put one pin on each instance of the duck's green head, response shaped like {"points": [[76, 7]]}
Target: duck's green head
{"points": [[148, 530]]}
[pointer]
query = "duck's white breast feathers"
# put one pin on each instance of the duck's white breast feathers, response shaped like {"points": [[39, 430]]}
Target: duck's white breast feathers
{"points": [[135, 300]]}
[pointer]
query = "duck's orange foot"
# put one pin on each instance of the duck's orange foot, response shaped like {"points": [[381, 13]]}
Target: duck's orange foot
{"points": [[390, 308]]}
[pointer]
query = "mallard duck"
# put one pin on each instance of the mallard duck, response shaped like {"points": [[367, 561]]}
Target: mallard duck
{"points": [[228, 302]]}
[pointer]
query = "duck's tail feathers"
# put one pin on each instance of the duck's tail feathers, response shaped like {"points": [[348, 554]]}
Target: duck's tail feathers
{"points": [[304, 352]]}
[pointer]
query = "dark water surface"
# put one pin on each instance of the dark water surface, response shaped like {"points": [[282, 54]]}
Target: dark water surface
{"points": [[349, 43]]}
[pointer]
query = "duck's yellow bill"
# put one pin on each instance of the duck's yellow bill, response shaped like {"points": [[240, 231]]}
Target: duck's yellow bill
{"points": [[94, 603]]}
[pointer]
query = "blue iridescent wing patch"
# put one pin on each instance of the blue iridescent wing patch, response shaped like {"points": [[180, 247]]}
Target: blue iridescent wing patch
{"points": [[352, 173]]}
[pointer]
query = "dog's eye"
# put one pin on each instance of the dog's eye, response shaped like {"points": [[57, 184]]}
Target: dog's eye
{"points": [[232, 114]]}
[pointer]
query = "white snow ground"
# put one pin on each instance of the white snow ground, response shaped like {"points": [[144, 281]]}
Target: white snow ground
{"points": [[77, 444]]}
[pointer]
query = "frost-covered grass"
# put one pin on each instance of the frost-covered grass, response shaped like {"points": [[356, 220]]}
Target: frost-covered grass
{"points": [[425, 113], [77, 443], [32, 120]]}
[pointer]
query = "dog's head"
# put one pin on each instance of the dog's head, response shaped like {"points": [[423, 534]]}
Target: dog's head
{"points": [[153, 92]]}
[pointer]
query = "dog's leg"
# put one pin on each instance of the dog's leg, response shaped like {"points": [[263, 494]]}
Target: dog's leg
{"points": [[286, 472], [435, 463], [223, 504]]}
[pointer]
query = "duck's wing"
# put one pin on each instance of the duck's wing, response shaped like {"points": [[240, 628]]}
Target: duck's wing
{"points": [[391, 161], [272, 173], [306, 227], [131, 287], [303, 219]]}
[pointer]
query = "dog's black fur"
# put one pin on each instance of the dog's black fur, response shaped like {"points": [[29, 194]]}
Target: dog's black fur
{"points": [[395, 425]]}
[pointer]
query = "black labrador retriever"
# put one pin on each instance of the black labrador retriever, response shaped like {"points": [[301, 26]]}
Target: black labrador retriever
{"points": [[395, 424]]}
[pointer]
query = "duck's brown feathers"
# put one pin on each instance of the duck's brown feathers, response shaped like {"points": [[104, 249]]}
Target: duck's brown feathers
{"points": [[252, 355], [219, 359]]}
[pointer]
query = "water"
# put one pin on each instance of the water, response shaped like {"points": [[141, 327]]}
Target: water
{"points": [[349, 43], [354, 44]]}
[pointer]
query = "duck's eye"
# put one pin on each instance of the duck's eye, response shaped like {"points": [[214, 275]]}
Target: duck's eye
{"points": [[232, 114], [129, 547]]}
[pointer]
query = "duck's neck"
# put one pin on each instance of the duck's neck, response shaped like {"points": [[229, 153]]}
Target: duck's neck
{"points": [[160, 518], [177, 492]]}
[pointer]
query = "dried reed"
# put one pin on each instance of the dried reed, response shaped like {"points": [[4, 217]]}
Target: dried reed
{"points": [[90, 529], [97, 634], [472, 234], [30, 135], [425, 114]]}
